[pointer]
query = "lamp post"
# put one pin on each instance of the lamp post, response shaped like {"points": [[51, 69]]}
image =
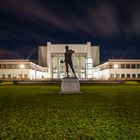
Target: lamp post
{"points": [[21, 66], [115, 66]]}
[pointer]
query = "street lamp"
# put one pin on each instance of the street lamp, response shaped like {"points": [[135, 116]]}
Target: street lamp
{"points": [[115, 66], [21, 66]]}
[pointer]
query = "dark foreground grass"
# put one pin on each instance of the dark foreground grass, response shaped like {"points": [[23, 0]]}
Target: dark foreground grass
{"points": [[103, 112]]}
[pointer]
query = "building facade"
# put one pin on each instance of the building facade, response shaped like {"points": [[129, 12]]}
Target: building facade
{"points": [[118, 69], [86, 62], [84, 58], [21, 69]]}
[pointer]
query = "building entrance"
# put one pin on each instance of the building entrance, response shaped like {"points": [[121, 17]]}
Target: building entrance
{"points": [[59, 70]]}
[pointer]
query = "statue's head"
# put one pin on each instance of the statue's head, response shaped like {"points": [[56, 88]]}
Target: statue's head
{"points": [[66, 47]]}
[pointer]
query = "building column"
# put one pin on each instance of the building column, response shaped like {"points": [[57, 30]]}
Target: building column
{"points": [[58, 75]]}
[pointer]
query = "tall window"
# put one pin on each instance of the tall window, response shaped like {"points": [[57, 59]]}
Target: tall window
{"points": [[54, 66], [83, 66]]}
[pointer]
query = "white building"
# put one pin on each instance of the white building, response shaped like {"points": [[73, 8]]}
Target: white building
{"points": [[21, 69], [121, 69], [86, 61], [84, 58]]}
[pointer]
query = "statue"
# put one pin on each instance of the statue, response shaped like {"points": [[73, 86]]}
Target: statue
{"points": [[68, 61]]}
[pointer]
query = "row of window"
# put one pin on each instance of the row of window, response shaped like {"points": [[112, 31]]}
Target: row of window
{"points": [[126, 66], [14, 76], [124, 75], [13, 66], [16, 66]]}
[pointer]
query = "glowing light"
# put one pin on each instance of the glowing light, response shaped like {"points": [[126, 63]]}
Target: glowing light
{"points": [[89, 60], [115, 66], [21, 66]]}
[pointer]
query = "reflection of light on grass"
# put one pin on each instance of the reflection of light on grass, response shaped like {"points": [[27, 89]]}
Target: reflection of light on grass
{"points": [[131, 82]]}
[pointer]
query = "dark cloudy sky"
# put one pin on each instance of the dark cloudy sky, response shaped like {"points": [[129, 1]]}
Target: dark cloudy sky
{"points": [[113, 25]]}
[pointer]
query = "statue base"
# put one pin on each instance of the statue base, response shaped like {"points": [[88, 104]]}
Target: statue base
{"points": [[70, 85]]}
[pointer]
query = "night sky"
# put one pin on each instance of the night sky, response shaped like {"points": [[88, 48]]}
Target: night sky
{"points": [[27, 24]]}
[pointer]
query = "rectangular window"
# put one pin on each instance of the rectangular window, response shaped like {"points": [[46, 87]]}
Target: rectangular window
{"points": [[27, 66], [122, 66], [14, 76], [7, 66], [138, 66], [128, 75], [8, 75], [14, 66], [122, 75], [3, 66], [133, 66], [138, 75], [117, 75], [133, 75], [20, 76], [110, 66], [128, 66], [25, 76], [3, 76], [111, 75]]}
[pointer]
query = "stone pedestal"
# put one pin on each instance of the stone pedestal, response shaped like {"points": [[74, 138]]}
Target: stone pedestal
{"points": [[70, 86]]}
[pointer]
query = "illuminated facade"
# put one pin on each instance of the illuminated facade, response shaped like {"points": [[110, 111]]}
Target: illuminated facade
{"points": [[86, 61], [21, 69], [118, 69], [84, 58]]}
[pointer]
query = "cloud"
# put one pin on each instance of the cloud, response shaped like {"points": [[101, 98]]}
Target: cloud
{"points": [[136, 22], [103, 20], [35, 11], [6, 53]]}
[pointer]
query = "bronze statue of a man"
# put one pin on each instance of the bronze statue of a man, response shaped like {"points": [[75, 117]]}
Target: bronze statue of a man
{"points": [[68, 60]]}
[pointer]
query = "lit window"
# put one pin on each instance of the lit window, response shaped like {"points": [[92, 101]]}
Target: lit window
{"points": [[3, 66], [111, 75], [117, 75], [89, 60]]}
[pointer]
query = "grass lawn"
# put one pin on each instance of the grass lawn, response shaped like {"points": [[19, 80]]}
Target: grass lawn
{"points": [[38, 112]]}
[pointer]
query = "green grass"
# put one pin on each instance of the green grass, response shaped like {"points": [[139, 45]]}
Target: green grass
{"points": [[102, 112]]}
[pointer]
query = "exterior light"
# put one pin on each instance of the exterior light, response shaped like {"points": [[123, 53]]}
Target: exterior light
{"points": [[21, 66], [115, 66]]}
